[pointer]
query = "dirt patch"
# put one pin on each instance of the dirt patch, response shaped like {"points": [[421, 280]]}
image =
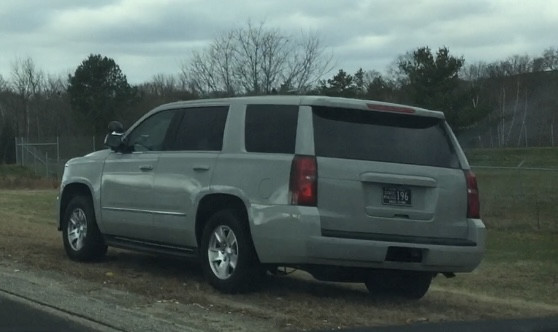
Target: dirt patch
{"points": [[294, 302]]}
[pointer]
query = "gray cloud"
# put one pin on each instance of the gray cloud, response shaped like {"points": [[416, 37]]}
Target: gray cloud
{"points": [[148, 37]]}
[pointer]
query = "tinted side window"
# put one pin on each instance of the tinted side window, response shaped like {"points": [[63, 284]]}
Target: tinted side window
{"points": [[271, 128], [150, 135], [201, 129], [386, 137]]}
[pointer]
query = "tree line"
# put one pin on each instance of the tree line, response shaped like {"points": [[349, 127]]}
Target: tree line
{"points": [[257, 60]]}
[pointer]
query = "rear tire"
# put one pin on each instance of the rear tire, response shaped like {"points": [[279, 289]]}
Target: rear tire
{"points": [[229, 261], [407, 284], [81, 236]]}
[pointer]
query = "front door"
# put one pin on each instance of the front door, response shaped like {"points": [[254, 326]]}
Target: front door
{"points": [[127, 197]]}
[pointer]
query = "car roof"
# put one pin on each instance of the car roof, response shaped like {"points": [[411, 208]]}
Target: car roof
{"points": [[338, 102]]}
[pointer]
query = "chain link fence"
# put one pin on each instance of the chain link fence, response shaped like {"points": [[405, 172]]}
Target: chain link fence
{"points": [[48, 156], [517, 198]]}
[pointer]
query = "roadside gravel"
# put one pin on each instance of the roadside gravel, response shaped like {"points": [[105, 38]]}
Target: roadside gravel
{"points": [[108, 309]]}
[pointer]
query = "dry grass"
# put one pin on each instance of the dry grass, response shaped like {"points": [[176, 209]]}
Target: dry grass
{"points": [[518, 265], [18, 183], [28, 236], [519, 200], [522, 196], [17, 177]]}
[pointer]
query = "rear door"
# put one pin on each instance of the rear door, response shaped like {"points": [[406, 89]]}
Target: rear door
{"points": [[388, 177], [184, 172]]}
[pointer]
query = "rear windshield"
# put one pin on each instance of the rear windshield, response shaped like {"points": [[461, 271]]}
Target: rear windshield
{"points": [[385, 137]]}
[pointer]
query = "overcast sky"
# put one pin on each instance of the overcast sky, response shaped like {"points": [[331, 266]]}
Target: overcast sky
{"points": [[147, 37]]}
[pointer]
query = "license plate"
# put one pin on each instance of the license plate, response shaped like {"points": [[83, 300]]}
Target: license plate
{"points": [[397, 196]]}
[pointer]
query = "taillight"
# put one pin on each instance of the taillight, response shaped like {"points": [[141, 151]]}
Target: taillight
{"points": [[473, 203], [303, 183]]}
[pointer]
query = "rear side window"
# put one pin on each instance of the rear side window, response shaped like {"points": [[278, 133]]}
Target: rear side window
{"points": [[201, 129], [385, 137], [271, 128]]}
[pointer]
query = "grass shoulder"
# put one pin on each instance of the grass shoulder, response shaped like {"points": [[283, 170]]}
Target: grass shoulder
{"points": [[19, 177], [518, 264], [514, 157]]}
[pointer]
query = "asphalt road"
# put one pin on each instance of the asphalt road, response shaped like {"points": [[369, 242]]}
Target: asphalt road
{"points": [[502, 325], [46, 302], [20, 315]]}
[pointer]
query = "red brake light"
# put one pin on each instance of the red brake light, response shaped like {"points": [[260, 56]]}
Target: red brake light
{"points": [[473, 202], [303, 183], [390, 108]]}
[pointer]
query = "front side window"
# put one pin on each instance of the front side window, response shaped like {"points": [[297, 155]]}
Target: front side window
{"points": [[151, 133], [271, 128], [201, 129]]}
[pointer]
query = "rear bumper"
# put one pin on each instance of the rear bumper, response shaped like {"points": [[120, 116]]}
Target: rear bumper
{"points": [[300, 240], [369, 253]]}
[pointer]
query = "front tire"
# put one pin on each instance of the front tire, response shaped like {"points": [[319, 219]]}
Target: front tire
{"points": [[229, 261], [407, 284], [81, 236]]}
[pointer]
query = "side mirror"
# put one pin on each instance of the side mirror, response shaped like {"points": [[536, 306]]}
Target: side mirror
{"points": [[114, 140], [115, 126], [114, 137]]}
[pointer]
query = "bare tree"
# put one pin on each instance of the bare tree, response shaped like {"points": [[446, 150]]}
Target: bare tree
{"points": [[212, 70], [550, 59], [3, 84], [163, 88], [3, 112], [249, 53], [274, 53], [256, 60], [27, 82], [309, 62], [201, 72], [496, 70], [474, 72], [6, 122], [161, 85], [520, 64], [56, 113], [223, 51]]}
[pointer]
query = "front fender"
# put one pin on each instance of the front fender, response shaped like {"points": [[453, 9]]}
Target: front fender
{"points": [[82, 176]]}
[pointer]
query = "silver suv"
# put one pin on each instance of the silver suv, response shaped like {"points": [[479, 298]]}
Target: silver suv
{"points": [[348, 190]]}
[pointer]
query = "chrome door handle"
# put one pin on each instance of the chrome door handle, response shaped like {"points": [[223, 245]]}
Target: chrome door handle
{"points": [[146, 167], [201, 168]]}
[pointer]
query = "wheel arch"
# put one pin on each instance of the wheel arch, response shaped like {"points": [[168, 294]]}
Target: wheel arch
{"points": [[71, 190], [213, 203]]}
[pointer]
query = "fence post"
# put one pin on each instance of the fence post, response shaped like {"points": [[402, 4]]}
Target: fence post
{"points": [[57, 151], [22, 153], [552, 133], [17, 151]]}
